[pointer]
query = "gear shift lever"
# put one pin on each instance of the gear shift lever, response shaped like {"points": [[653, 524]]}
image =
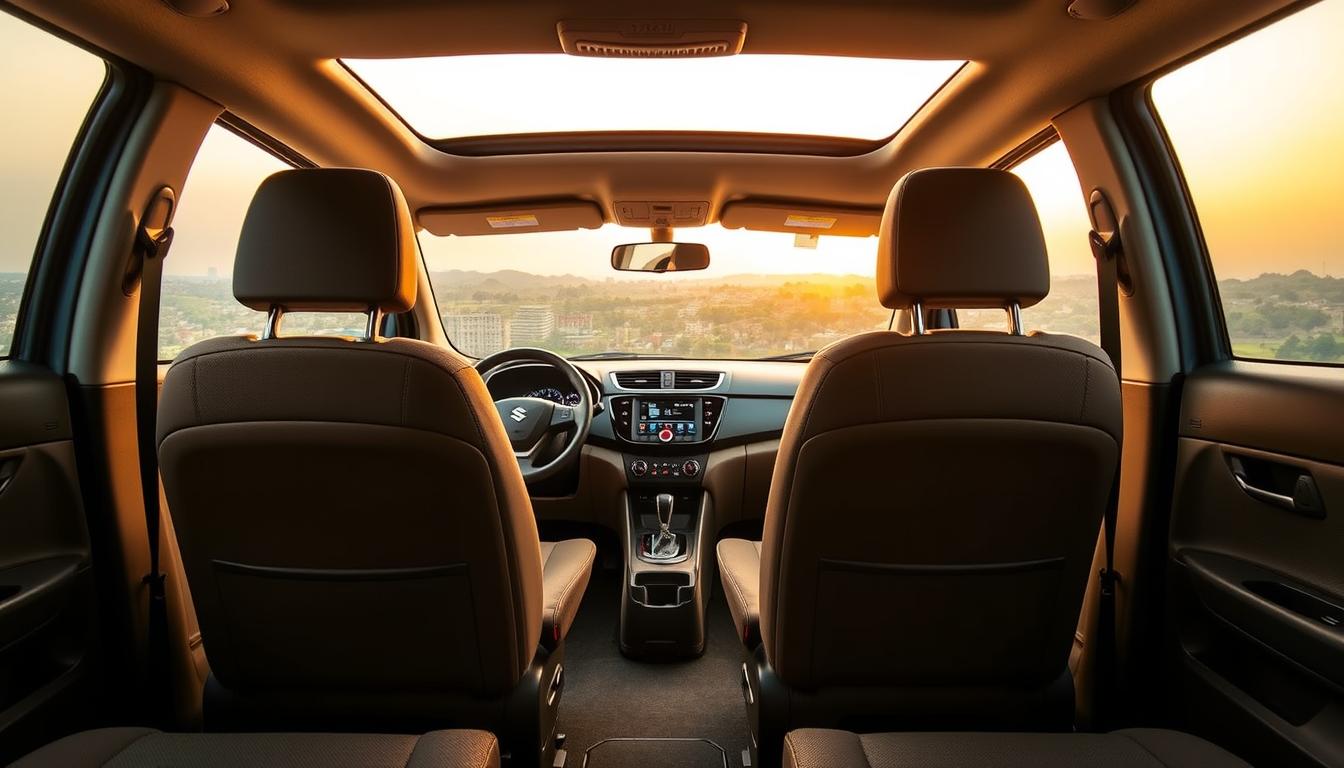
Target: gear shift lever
{"points": [[664, 504], [663, 545]]}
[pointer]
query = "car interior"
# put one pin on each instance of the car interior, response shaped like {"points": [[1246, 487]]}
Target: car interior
{"points": [[742, 384]]}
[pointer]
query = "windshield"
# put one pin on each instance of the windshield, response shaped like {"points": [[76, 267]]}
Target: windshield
{"points": [[760, 297]]}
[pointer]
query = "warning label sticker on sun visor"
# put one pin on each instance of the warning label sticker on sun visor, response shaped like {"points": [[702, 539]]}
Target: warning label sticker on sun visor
{"points": [[809, 222], [512, 222]]}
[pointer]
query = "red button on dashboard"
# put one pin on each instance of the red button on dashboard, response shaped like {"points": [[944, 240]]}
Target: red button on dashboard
{"points": [[665, 435]]}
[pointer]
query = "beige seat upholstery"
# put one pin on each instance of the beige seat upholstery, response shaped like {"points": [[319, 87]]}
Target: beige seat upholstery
{"points": [[356, 533], [1134, 748], [740, 564], [565, 568], [937, 497], [145, 748]]}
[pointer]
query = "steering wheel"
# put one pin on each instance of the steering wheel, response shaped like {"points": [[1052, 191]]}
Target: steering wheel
{"points": [[535, 426]]}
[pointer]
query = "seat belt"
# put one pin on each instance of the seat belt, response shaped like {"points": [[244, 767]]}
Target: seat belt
{"points": [[1107, 250], [152, 239]]}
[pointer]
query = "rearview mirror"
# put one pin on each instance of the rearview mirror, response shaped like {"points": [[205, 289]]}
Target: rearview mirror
{"points": [[659, 257]]}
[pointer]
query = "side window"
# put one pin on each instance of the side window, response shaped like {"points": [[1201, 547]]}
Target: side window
{"points": [[197, 298], [35, 144], [1071, 306], [1258, 129]]}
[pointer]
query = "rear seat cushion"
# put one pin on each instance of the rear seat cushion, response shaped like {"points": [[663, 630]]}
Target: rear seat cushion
{"points": [[740, 566], [144, 748], [1135, 748]]}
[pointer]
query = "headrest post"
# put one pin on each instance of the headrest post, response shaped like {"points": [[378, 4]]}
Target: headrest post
{"points": [[375, 316], [917, 317], [1015, 319], [273, 317]]}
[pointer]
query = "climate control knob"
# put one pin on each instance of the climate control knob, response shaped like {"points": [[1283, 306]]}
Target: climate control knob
{"points": [[691, 468], [639, 467]]}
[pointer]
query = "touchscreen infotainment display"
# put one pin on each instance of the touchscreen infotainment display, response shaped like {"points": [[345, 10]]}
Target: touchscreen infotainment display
{"points": [[668, 420]]}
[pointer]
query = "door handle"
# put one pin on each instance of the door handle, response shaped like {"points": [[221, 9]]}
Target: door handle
{"points": [[1269, 497], [1305, 499]]}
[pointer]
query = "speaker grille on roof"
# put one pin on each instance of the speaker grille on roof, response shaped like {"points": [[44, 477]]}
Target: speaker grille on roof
{"points": [[651, 38], [610, 50]]}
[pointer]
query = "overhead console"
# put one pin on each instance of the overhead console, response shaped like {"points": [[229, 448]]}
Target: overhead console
{"points": [[661, 213]]}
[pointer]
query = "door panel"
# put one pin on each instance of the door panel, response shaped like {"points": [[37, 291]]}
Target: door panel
{"points": [[1257, 559], [46, 588]]}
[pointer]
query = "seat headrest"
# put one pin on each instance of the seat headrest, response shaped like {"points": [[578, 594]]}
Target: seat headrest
{"points": [[327, 240], [961, 238]]}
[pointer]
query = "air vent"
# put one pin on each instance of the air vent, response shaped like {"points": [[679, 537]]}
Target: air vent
{"points": [[611, 51], [696, 380], [637, 379], [651, 38]]}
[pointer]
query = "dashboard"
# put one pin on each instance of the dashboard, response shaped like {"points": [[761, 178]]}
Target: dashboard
{"points": [[666, 406], [663, 423]]}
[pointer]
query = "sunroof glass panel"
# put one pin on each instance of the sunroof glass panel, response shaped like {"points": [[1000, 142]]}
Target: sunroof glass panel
{"points": [[457, 96]]}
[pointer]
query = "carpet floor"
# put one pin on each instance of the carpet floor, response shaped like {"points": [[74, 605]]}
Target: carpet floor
{"points": [[608, 696]]}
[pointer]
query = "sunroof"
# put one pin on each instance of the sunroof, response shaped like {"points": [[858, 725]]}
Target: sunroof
{"points": [[458, 96]]}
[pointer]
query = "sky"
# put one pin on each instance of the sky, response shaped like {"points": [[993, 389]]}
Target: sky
{"points": [[527, 93], [1258, 139], [36, 136], [1279, 206]]}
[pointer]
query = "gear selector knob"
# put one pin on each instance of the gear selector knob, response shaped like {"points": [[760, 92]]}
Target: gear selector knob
{"points": [[664, 504]]}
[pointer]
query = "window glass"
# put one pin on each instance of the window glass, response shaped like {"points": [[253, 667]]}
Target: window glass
{"points": [[35, 140], [197, 298], [456, 96], [762, 294], [1257, 127], [1071, 306]]}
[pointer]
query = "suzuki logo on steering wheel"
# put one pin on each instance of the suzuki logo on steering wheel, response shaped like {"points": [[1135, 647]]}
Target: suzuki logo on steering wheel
{"points": [[518, 414]]}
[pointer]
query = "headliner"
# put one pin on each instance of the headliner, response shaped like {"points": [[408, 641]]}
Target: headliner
{"points": [[273, 64]]}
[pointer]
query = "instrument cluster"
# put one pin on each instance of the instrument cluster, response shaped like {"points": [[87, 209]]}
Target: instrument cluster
{"points": [[556, 396]]}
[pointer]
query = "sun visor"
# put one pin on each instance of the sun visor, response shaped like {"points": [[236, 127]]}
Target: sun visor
{"points": [[808, 219], [555, 216]]}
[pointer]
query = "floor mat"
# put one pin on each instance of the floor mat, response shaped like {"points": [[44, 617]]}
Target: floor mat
{"points": [[608, 696], [674, 753]]}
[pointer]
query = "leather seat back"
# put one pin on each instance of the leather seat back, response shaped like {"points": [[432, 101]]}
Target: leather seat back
{"points": [[937, 498], [350, 516]]}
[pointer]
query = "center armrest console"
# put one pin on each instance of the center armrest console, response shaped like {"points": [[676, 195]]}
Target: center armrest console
{"points": [[664, 595]]}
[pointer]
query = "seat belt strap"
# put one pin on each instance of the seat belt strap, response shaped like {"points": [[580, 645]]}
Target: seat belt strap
{"points": [[1107, 250], [152, 241]]}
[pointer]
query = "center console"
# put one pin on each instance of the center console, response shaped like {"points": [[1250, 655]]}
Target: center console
{"points": [[666, 520]]}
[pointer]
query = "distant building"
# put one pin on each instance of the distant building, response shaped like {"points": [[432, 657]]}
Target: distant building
{"points": [[532, 324], [477, 334], [574, 323]]}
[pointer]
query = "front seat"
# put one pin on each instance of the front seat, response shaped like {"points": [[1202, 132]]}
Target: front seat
{"points": [[937, 496], [356, 534]]}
